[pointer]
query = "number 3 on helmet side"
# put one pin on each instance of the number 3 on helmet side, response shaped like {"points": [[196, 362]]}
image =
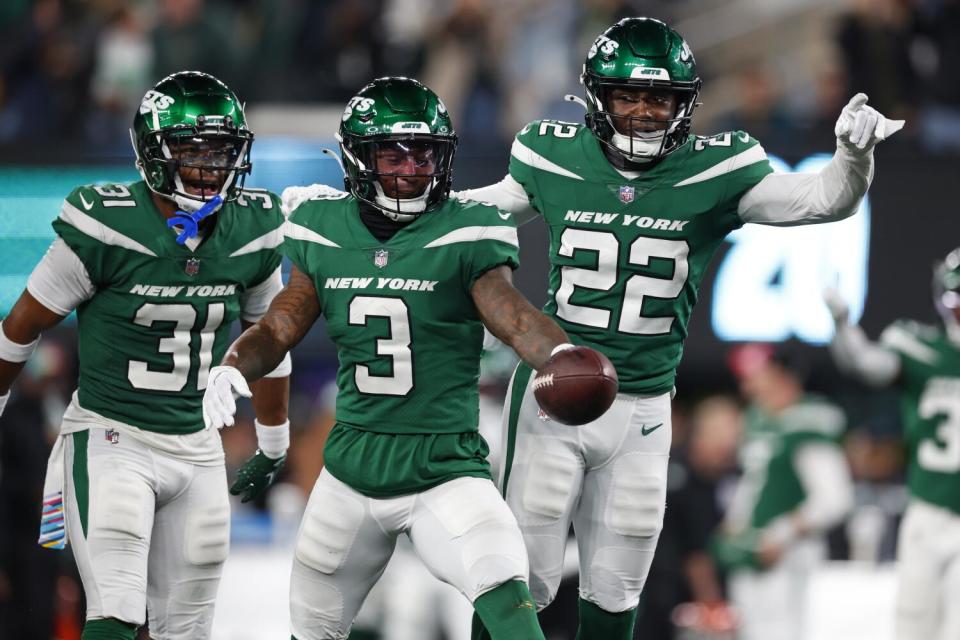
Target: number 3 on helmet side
{"points": [[395, 346], [604, 278]]}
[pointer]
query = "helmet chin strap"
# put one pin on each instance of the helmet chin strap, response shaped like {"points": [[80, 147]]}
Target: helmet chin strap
{"points": [[402, 209]]}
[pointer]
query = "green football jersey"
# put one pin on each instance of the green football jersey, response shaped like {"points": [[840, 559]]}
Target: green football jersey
{"points": [[930, 410], [627, 255], [161, 313], [767, 454], [408, 336]]}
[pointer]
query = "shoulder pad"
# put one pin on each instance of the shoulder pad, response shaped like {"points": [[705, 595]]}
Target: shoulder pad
{"points": [[911, 339], [815, 414], [93, 199], [543, 134], [258, 199], [727, 143]]}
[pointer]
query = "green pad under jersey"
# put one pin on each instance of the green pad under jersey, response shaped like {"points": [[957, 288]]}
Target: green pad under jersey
{"points": [[408, 335], [161, 313], [768, 450], [627, 255], [930, 409]]}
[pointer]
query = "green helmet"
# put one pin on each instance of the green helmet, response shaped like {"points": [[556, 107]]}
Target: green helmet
{"points": [[640, 53], [396, 129], [191, 140], [946, 293]]}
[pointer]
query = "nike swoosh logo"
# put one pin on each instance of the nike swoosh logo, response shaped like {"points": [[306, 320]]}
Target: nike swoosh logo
{"points": [[503, 216], [86, 205], [645, 430]]}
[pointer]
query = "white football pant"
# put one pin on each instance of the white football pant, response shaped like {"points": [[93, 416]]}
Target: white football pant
{"points": [[149, 532], [928, 573], [608, 477], [462, 530]]}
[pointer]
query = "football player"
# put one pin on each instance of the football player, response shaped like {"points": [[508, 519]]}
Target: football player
{"points": [[923, 363], [406, 278], [795, 486], [636, 206], [157, 271]]}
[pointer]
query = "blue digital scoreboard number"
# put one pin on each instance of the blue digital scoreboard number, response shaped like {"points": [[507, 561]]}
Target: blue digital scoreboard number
{"points": [[769, 286]]}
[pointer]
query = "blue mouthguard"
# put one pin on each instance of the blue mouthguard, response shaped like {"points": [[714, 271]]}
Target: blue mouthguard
{"points": [[190, 221]]}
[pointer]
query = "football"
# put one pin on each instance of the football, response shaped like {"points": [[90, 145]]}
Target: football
{"points": [[576, 385]]}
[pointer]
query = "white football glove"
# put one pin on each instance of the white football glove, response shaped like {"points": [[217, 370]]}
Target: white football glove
{"points": [[838, 307], [3, 401], [224, 385], [860, 126], [293, 197]]}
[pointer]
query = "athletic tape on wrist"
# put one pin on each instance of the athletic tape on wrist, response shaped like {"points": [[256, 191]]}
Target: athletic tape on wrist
{"points": [[14, 352], [284, 369], [273, 441]]}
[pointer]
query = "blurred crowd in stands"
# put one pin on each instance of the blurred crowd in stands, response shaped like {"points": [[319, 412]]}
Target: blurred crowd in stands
{"points": [[75, 69]]}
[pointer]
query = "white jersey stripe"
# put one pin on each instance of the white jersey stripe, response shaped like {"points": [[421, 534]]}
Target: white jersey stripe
{"points": [[99, 231], [297, 232], [529, 157], [270, 240], [473, 234], [744, 158]]}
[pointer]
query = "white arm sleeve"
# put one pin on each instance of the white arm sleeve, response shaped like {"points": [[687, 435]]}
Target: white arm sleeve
{"points": [[789, 199], [255, 301], [825, 477], [855, 355], [508, 195], [60, 281]]}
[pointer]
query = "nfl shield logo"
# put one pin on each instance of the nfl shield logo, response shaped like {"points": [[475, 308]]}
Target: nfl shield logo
{"points": [[112, 436], [193, 266], [380, 257], [626, 194]]}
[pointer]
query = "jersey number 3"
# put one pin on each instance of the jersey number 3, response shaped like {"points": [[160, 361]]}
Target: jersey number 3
{"points": [[395, 346], [604, 278]]}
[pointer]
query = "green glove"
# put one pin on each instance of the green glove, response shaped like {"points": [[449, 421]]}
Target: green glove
{"points": [[256, 475]]}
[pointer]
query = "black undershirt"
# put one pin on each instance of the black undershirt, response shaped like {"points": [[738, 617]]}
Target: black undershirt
{"points": [[382, 227]]}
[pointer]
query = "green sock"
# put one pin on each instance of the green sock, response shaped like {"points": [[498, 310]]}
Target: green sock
{"points": [[108, 629], [507, 613], [597, 624], [477, 630]]}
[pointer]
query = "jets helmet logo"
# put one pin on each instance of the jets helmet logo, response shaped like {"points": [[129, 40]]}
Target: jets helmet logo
{"points": [[155, 101], [604, 45]]}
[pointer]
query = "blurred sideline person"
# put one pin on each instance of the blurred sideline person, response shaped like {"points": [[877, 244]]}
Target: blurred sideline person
{"points": [[636, 207], [28, 428], [795, 486], [923, 362], [135, 480], [406, 278]]}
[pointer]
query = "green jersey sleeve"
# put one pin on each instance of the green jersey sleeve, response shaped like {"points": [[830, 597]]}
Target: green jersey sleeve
{"points": [[743, 161], [266, 214], [87, 225], [537, 146], [493, 242]]}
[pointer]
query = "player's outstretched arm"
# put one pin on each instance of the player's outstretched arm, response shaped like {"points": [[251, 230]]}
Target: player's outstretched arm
{"points": [[833, 193], [19, 334], [854, 353], [261, 348], [506, 195], [510, 316]]}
